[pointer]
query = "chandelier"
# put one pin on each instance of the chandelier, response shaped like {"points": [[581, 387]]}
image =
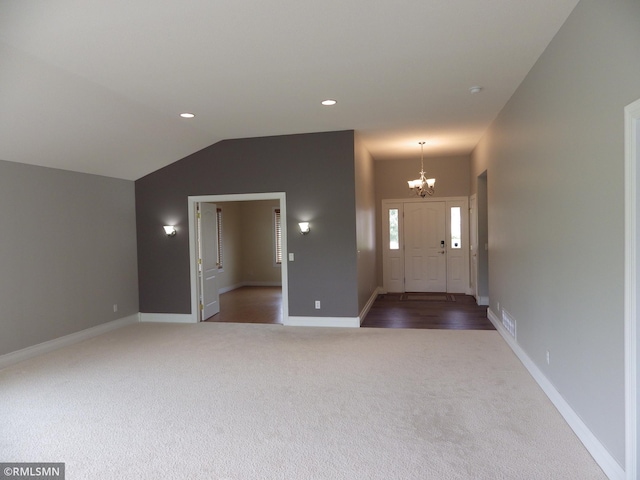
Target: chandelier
{"points": [[422, 186]]}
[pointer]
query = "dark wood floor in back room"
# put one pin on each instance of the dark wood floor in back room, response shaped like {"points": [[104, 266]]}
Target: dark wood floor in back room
{"points": [[250, 305], [391, 310]]}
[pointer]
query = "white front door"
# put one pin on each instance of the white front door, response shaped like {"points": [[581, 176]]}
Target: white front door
{"points": [[208, 262], [425, 247]]}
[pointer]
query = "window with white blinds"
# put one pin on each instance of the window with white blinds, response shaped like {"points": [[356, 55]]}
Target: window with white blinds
{"points": [[278, 236], [219, 233]]}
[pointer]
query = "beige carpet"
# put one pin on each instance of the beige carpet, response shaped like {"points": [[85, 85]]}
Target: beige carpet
{"points": [[230, 401]]}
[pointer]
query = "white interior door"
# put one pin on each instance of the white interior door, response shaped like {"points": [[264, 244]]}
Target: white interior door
{"points": [[425, 256], [208, 262], [393, 247]]}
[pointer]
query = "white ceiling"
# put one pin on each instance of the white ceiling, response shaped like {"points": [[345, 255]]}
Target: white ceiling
{"points": [[97, 86]]}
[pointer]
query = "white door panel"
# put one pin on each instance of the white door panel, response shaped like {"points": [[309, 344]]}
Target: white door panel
{"points": [[396, 270], [209, 252], [425, 258], [455, 269]]}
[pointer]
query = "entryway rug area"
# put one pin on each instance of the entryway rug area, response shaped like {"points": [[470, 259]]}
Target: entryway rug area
{"points": [[231, 401], [428, 297], [418, 297]]}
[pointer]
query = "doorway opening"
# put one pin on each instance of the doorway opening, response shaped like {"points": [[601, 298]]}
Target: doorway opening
{"points": [[214, 266]]}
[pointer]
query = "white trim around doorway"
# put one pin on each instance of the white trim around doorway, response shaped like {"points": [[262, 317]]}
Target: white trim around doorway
{"points": [[193, 248], [632, 273]]}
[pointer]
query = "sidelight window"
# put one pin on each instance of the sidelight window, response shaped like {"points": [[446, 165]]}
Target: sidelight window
{"points": [[456, 227], [394, 235]]}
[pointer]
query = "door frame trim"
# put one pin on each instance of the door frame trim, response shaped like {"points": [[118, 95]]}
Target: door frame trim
{"points": [[473, 215], [632, 273], [241, 197]]}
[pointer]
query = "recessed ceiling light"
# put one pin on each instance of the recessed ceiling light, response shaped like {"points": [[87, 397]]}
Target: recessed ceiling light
{"points": [[187, 115], [329, 102], [476, 89]]}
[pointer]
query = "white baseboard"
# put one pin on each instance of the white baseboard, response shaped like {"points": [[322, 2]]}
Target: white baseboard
{"points": [[368, 305], [230, 288], [347, 322], [484, 301], [51, 345], [167, 317], [609, 465], [262, 284]]}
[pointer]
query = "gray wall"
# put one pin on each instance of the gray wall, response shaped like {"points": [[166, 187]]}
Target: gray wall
{"points": [[365, 223], [483, 236], [67, 255], [555, 162], [452, 176], [318, 175]]}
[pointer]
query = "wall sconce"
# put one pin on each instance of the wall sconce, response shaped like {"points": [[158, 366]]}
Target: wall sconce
{"points": [[304, 227], [170, 230]]}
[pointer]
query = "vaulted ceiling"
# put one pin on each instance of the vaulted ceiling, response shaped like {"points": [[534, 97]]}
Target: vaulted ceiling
{"points": [[97, 86]]}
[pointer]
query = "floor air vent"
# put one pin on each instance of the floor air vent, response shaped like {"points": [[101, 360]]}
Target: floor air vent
{"points": [[509, 323]]}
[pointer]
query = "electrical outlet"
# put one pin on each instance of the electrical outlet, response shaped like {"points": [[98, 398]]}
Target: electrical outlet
{"points": [[498, 307], [317, 304], [115, 307], [548, 357]]}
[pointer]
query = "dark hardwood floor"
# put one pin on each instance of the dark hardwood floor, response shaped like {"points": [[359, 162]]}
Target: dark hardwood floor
{"points": [[391, 310], [427, 310], [250, 305]]}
